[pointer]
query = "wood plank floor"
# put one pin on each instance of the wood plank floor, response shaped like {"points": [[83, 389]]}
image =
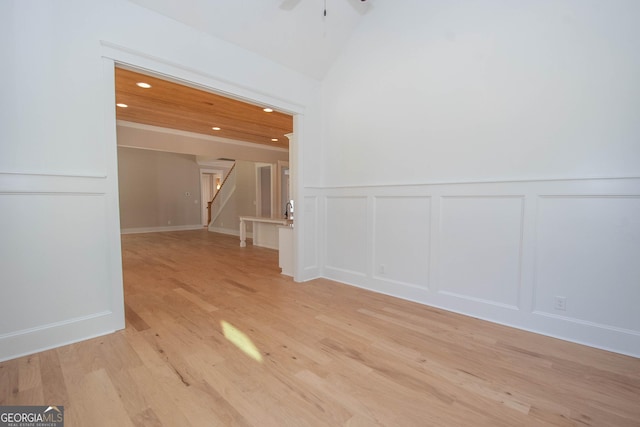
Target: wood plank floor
{"points": [[216, 336]]}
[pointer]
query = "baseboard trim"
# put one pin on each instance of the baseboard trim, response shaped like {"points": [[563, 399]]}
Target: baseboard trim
{"points": [[604, 337], [161, 229], [42, 338]]}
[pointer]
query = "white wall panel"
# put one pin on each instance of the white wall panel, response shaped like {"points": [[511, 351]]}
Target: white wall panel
{"points": [[54, 255], [480, 241], [310, 233], [588, 251], [346, 248], [60, 270], [401, 240], [499, 251]]}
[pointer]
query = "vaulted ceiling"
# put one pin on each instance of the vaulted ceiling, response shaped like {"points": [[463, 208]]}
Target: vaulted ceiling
{"points": [[294, 33], [176, 106]]}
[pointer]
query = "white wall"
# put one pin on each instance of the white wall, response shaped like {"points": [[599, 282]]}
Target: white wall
{"points": [[450, 91], [460, 139], [58, 179]]}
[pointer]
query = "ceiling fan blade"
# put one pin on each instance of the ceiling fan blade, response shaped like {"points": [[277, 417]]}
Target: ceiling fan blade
{"points": [[288, 4]]}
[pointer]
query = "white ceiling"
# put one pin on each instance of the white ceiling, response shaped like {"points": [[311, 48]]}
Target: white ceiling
{"points": [[293, 33]]}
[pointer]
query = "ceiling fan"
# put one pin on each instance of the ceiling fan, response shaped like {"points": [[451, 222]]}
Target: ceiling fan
{"points": [[361, 6]]}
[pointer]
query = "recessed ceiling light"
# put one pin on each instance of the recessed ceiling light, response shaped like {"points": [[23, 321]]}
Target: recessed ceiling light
{"points": [[215, 128], [267, 110], [143, 85], [121, 105], [274, 139]]}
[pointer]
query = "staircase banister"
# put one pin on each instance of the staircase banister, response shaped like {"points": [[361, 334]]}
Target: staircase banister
{"points": [[210, 204], [223, 181]]}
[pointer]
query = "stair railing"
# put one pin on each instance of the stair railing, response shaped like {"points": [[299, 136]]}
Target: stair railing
{"points": [[215, 196]]}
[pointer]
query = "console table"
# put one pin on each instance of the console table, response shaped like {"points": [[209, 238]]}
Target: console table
{"points": [[243, 225]]}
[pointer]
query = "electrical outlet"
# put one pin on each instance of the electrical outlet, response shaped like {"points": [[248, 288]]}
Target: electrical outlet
{"points": [[169, 222], [560, 303], [382, 269]]}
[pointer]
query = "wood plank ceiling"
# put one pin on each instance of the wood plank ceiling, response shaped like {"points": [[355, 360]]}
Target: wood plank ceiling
{"points": [[172, 105]]}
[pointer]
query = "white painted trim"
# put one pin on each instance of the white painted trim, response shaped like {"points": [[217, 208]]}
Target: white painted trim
{"points": [[41, 338], [599, 336], [112, 226], [465, 182], [51, 175], [480, 300], [316, 233], [196, 136], [23, 183], [139, 61], [296, 174], [343, 271], [135, 60], [216, 164], [53, 325], [586, 323], [161, 229]]}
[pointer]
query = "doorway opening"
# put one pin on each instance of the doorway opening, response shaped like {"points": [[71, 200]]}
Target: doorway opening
{"points": [[264, 190], [210, 182], [274, 178]]}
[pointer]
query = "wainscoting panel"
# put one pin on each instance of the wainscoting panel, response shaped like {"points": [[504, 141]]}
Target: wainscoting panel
{"points": [[79, 269], [557, 257], [588, 254], [60, 261], [346, 248], [480, 247], [311, 234], [402, 222]]}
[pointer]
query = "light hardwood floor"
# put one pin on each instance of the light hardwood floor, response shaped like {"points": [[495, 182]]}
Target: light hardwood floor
{"points": [[312, 354]]}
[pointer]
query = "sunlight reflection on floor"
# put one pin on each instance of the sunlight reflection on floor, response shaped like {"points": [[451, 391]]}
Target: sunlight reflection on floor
{"points": [[240, 340]]}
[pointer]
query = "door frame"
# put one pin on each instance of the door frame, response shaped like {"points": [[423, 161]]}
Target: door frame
{"points": [[115, 55]]}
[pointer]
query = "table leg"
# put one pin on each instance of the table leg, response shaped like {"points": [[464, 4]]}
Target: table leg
{"points": [[243, 234]]}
